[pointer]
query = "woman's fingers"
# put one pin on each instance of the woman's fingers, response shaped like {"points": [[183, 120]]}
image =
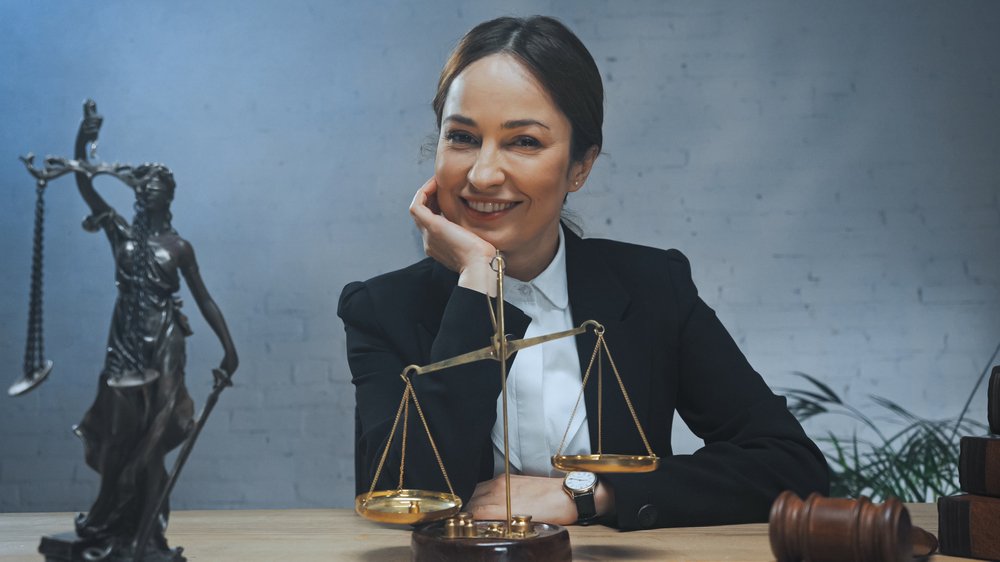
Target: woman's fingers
{"points": [[488, 488], [422, 197], [452, 245], [488, 501], [440, 234], [541, 496], [430, 195], [424, 206]]}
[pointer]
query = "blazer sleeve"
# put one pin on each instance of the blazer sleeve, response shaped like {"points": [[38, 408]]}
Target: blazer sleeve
{"points": [[754, 448], [459, 404]]}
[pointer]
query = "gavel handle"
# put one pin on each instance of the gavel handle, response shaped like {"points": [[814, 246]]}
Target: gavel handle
{"points": [[924, 543]]}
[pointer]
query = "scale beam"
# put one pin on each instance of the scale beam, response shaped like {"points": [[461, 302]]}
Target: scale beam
{"points": [[492, 351]]}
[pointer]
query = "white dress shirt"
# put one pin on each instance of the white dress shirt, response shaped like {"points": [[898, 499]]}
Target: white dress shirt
{"points": [[544, 381]]}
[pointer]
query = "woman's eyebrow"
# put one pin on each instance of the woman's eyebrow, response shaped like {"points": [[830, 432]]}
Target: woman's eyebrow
{"points": [[467, 121], [514, 124], [518, 123]]}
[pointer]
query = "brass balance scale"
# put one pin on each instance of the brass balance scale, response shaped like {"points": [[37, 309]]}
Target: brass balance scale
{"points": [[444, 532]]}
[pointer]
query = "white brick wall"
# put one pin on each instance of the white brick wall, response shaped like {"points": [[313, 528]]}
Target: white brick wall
{"points": [[829, 167]]}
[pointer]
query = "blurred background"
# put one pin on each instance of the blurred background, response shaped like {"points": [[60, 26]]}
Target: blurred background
{"points": [[830, 168]]}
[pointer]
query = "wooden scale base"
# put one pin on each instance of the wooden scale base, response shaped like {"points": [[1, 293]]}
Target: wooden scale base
{"points": [[461, 538]]}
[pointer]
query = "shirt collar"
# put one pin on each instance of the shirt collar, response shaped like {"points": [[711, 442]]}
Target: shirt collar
{"points": [[552, 281]]}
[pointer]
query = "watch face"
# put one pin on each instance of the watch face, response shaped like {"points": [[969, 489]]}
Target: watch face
{"points": [[580, 481]]}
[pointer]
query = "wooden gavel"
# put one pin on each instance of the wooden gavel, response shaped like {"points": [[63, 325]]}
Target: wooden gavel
{"points": [[823, 529]]}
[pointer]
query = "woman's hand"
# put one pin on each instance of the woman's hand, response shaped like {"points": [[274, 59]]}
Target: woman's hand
{"points": [[541, 497], [451, 245]]}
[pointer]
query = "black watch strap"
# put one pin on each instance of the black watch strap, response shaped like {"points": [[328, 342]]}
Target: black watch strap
{"points": [[586, 510]]}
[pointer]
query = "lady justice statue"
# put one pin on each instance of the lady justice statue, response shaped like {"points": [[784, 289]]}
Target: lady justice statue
{"points": [[142, 410]]}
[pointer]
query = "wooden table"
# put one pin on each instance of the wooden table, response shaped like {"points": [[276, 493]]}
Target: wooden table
{"points": [[339, 534]]}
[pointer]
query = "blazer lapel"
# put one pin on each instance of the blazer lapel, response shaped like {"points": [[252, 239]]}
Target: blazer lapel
{"points": [[596, 293]]}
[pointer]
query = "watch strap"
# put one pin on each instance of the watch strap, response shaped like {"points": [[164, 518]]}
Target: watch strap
{"points": [[586, 509]]}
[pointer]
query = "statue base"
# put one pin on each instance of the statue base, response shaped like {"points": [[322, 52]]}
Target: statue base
{"points": [[548, 543], [67, 547]]}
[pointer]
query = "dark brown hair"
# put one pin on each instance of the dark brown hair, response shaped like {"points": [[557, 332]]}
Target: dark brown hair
{"points": [[554, 56]]}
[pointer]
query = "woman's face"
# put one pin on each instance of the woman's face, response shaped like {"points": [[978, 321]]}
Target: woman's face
{"points": [[157, 195], [503, 167]]}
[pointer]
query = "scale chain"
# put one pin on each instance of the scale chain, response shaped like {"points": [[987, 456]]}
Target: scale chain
{"points": [[586, 375], [403, 412], [430, 437], [628, 402], [600, 403], [603, 344], [402, 452], [392, 432], [34, 352], [140, 270]]}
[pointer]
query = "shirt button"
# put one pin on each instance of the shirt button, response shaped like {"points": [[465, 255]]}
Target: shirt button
{"points": [[525, 290], [647, 515]]}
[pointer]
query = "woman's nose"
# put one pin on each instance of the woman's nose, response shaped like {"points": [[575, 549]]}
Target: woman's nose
{"points": [[487, 171]]}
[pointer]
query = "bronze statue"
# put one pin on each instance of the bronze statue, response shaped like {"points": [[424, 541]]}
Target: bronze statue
{"points": [[142, 410]]}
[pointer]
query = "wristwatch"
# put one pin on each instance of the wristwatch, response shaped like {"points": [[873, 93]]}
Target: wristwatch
{"points": [[580, 487]]}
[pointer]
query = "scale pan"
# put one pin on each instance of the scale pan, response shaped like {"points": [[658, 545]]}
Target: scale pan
{"points": [[606, 463], [407, 507], [30, 380]]}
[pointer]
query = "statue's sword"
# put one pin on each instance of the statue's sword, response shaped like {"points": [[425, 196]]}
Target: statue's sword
{"points": [[222, 380]]}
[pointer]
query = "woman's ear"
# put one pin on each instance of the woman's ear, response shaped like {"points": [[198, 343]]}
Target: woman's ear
{"points": [[580, 170]]}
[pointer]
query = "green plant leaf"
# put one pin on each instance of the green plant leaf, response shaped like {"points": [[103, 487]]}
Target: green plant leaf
{"points": [[826, 390], [915, 462]]}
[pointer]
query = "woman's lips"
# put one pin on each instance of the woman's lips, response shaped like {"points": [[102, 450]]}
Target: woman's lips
{"points": [[489, 209]]}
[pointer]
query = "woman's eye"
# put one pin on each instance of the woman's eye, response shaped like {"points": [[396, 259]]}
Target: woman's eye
{"points": [[526, 142], [460, 137]]}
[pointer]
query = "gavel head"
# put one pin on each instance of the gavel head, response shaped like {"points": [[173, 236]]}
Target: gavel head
{"points": [[834, 529]]}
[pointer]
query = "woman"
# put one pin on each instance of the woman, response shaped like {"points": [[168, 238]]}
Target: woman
{"points": [[142, 410], [520, 108]]}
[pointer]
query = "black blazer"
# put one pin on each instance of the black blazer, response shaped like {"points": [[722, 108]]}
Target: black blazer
{"points": [[672, 353]]}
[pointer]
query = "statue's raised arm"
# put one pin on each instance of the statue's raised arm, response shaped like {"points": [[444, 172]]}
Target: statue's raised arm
{"points": [[86, 146]]}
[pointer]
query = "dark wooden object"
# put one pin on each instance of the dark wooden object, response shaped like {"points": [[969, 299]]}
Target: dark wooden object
{"points": [[440, 541], [979, 466], [836, 530], [993, 401], [969, 526]]}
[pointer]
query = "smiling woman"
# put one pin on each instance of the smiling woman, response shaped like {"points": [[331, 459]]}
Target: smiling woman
{"points": [[503, 166], [520, 109]]}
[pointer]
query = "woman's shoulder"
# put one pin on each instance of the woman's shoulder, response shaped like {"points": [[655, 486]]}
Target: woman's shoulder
{"points": [[409, 278], [394, 290], [655, 275], [628, 256]]}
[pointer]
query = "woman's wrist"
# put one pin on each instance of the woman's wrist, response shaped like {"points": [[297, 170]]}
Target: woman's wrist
{"points": [[479, 276], [604, 498]]}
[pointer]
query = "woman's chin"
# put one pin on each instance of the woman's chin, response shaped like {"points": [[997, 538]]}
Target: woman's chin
{"points": [[498, 242]]}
